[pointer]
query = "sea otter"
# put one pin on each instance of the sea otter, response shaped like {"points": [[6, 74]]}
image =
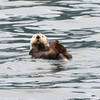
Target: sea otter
{"points": [[39, 48], [38, 43]]}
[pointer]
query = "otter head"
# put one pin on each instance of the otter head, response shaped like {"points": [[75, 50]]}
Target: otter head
{"points": [[39, 41]]}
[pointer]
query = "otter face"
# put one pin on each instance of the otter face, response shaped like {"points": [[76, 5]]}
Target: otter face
{"points": [[39, 40]]}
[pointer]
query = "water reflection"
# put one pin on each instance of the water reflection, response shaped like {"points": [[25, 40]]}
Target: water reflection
{"points": [[75, 24]]}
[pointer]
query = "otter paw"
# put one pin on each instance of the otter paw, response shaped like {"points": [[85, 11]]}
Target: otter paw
{"points": [[60, 48]]}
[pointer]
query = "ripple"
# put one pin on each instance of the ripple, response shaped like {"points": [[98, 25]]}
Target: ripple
{"points": [[75, 24]]}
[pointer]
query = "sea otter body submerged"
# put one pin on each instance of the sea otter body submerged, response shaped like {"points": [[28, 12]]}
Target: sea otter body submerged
{"points": [[39, 48]]}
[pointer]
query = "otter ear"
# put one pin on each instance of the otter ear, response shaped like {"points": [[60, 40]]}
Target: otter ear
{"points": [[30, 52]]}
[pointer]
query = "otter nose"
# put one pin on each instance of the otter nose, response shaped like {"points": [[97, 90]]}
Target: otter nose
{"points": [[38, 37]]}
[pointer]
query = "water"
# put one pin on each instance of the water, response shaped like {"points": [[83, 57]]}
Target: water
{"points": [[76, 24]]}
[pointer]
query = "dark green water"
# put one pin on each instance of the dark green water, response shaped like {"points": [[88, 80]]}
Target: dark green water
{"points": [[76, 24]]}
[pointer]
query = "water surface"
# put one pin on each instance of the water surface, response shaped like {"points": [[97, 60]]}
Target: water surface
{"points": [[76, 24]]}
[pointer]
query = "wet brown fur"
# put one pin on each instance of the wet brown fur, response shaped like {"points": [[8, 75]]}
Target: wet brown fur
{"points": [[54, 51]]}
